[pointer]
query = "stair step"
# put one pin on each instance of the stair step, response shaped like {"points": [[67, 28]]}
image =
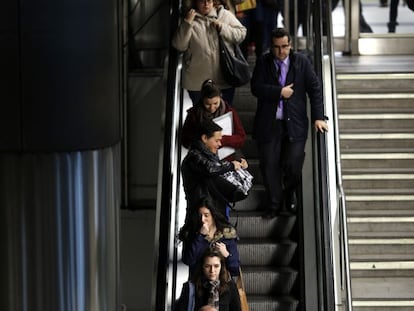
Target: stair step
{"points": [[268, 280], [380, 194], [374, 170], [376, 121], [376, 247], [253, 225], [383, 305], [352, 212], [386, 182], [252, 202], [266, 252], [351, 145], [382, 288], [382, 269], [386, 82], [272, 303], [348, 104], [378, 160], [380, 224]]}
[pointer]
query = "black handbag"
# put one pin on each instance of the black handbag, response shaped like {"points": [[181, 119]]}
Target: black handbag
{"points": [[234, 66], [232, 186]]}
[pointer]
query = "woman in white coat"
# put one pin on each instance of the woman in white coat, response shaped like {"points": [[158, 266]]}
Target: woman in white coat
{"points": [[197, 37]]}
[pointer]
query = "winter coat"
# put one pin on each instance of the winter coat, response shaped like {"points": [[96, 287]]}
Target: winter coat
{"points": [[199, 42], [198, 166], [265, 86], [194, 249]]}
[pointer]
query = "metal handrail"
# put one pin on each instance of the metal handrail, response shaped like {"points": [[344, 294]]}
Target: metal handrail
{"points": [[343, 234]]}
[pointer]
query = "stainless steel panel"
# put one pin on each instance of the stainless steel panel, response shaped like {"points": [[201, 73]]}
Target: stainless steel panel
{"points": [[59, 220]]}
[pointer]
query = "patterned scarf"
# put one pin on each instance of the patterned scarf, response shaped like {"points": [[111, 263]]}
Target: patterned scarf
{"points": [[214, 299]]}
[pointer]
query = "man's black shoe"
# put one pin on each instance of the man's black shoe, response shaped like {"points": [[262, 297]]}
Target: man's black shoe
{"points": [[291, 202]]}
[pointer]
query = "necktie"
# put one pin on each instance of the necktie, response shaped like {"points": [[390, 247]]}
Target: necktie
{"points": [[282, 81]]}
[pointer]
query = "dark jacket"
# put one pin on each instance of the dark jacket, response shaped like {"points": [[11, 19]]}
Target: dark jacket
{"points": [[197, 167], [193, 250], [265, 86], [229, 300]]}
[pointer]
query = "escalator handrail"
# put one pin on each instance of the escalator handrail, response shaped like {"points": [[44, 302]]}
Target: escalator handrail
{"points": [[169, 176], [346, 281]]}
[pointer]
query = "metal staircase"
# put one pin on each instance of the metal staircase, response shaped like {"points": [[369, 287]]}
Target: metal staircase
{"points": [[376, 119]]}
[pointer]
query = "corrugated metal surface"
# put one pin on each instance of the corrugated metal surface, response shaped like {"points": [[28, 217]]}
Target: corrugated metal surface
{"points": [[59, 220]]}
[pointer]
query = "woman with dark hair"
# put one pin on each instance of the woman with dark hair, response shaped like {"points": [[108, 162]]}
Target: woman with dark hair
{"points": [[206, 228], [202, 164], [210, 285], [211, 105]]}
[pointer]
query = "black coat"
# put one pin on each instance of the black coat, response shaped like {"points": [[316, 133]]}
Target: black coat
{"points": [[265, 86], [229, 300], [198, 166]]}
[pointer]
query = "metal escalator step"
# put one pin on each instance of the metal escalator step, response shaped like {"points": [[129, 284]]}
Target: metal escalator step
{"points": [[266, 252]]}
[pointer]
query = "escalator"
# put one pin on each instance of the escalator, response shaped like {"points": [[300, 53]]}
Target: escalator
{"points": [[287, 261]]}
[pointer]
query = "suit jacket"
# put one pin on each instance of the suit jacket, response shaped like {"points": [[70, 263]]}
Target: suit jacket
{"points": [[265, 86]]}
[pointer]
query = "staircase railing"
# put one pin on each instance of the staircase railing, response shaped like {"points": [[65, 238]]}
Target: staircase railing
{"points": [[334, 254], [341, 211], [169, 177]]}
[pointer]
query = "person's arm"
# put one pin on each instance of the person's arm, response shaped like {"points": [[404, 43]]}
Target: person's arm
{"points": [[209, 167], [230, 27], [239, 135], [182, 36], [193, 252], [233, 260]]}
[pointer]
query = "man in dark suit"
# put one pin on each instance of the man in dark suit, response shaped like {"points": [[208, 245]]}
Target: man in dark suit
{"points": [[282, 81]]}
